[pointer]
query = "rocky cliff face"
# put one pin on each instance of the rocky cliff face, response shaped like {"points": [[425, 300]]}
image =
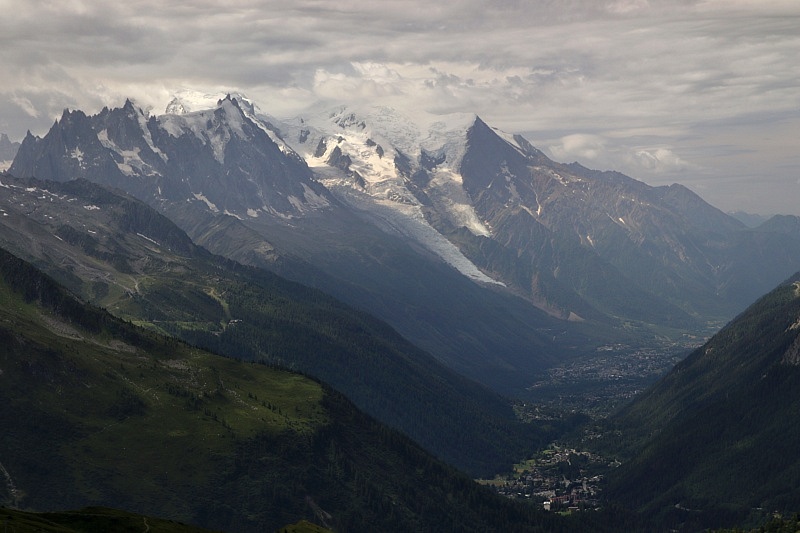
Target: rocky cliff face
{"points": [[615, 241]]}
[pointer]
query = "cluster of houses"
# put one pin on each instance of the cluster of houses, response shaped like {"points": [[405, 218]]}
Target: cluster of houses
{"points": [[558, 479]]}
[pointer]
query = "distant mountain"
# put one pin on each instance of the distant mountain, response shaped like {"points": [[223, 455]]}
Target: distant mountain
{"points": [[98, 412], [751, 220], [8, 150], [467, 240], [781, 224], [714, 443], [119, 253]]}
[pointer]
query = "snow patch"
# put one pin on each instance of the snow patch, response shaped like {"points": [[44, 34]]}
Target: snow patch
{"points": [[528, 210], [202, 198], [189, 101], [91, 207], [372, 138], [142, 120], [510, 139], [206, 126], [296, 202], [447, 191], [359, 132], [145, 237], [251, 111], [130, 158]]}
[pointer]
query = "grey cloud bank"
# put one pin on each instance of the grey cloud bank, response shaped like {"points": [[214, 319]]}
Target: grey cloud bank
{"points": [[703, 93]]}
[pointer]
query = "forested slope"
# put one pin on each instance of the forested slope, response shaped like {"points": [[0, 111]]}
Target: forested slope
{"points": [[98, 412], [715, 442]]}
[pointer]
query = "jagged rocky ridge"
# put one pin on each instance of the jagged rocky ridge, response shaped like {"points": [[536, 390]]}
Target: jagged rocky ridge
{"points": [[578, 243], [222, 157]]}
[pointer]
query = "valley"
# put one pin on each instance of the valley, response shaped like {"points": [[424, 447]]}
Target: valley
{"points": [[117, 416], [601, 383], [224, 284]]}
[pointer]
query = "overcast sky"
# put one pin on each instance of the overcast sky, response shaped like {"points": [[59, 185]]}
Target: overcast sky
{"points": [[703, 93]]}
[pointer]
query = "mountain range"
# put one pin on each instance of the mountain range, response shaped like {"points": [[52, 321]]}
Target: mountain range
{"points": [[226, 208], [469, 241]]}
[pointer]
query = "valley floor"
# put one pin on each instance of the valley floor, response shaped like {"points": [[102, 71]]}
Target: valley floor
{"points": [[599, 383], [558, 478]]}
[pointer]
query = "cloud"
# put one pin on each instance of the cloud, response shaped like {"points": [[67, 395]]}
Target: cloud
{"points": [[624, 7], [614, 153], [579, 146], [26, 106], [363, 81], [658, 160]]}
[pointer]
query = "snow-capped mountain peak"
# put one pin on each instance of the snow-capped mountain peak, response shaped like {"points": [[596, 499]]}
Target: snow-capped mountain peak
{"points": [[192, 109], [394, 169], [188, 101], [407, 134], [395, 159]]}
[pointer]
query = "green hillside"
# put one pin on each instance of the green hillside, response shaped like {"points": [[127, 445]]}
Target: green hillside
{"points": [[120, 254], [98, 412], [89, 520], [715, 442]]}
